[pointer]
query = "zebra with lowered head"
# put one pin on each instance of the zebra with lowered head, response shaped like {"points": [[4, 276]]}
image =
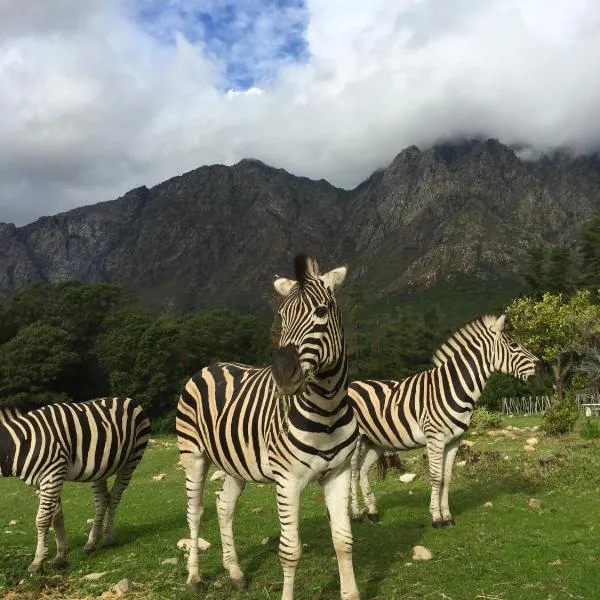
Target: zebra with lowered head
{"points": [[432, 408], [86, 442], [286, 424]]}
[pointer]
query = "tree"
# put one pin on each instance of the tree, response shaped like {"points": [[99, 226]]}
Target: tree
{"points": [[556, 329], [34, 365], [589, 251]]}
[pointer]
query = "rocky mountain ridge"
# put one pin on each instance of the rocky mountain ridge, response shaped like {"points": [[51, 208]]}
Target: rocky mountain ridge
{"points": [[217, 235]]}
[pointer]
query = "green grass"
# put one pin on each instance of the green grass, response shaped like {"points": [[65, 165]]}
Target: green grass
{"points": [[509, 551]]}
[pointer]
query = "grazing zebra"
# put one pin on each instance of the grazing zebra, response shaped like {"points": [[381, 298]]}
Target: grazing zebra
{"points": [[432, 408], [287, 424], [88, 441]]}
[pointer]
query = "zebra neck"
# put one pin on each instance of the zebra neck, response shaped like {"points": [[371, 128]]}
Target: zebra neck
{"points": [[467, 377]]}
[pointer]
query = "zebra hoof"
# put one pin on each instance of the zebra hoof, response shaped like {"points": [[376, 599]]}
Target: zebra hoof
{"points": [[109, 543], [451, 522], [438, 524], [60, 562], [193, 587], [357, 519], [374, 517], [34, 567], [239, 583], [88, 549]]}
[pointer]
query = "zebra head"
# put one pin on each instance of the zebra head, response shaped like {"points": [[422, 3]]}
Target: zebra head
{"points": [[509, 356], [312, 339]]}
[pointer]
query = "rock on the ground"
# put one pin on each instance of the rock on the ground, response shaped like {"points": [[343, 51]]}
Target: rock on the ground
{"points": [[461, 463], [488, 505], [169, 561], [123, 587], [421, 553], [159, 477], [528, 448], [217, 475], [185, 544], [90, 521], [535, 503], [265, 541], [94, 576], [469, 443], [532, 441], [13, 522], [407, 477]]}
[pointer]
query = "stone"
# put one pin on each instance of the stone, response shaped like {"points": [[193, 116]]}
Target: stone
{"points": [[488, 505], [217, 475], [407, 477], [534, 503], [159, 477], [123, 587], [256, 510], [528, 448], [13, 522], [94, 576], [532, 441], [421, 553], [461, 463], [169, 561], [185, 544], [265, 541]]}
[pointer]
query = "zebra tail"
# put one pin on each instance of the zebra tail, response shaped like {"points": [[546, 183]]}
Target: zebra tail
{"points": [[387, 461]]}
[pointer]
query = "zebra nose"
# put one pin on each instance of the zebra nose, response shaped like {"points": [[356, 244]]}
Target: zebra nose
{"points": [[286, 369]]}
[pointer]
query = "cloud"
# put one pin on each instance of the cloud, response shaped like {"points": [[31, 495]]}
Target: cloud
{"points": [[99, 97]]}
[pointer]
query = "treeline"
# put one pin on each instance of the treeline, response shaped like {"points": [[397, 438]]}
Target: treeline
{"points": [[72, 342]]}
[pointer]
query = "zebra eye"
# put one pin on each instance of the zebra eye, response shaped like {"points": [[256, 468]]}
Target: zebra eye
{"points": [[321, 312]]}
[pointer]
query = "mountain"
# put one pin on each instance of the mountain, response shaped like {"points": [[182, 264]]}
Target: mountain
{"points": [[217, 235]]}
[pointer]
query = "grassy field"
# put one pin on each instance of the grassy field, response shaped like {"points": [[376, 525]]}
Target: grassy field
{"points": [[507, 551]]}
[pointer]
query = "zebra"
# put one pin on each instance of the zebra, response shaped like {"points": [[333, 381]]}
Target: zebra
{"points": [[87, 441], [432, 408], [287, 424]]}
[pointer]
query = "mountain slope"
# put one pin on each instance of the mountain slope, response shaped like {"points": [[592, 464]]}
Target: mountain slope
{"points": [[217, 235]]}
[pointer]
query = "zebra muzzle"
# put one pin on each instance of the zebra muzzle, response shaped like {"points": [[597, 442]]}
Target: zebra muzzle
{"points": [[286, 369]]}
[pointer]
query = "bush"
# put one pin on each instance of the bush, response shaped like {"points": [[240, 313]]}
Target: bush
{"points": [[591, 428], [484, 419], [561, 416], [164, 424]]}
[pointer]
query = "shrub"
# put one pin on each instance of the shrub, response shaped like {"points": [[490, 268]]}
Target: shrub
{"points": [[591, 428], [484, 419], [561, 416], [164, 424]]}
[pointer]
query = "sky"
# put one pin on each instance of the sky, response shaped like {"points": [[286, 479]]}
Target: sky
{"points": [[97, 98]]}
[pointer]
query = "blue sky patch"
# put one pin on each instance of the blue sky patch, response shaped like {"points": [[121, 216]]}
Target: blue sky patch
{"points": [[253, 39]]}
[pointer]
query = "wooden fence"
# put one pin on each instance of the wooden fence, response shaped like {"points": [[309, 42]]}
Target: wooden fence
{"points": [[588, 402]]}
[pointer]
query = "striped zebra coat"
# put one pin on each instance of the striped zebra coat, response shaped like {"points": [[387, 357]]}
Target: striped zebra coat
{"points": [[286, 424], [432, 408], [86, 442]]}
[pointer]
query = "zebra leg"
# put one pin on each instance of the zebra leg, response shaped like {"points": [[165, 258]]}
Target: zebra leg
{"points": [[371, 456], [196, 467], [449, 456], [336, 490], [435, 455], [100, 491], [226, 502], [290, 549], [355, 464], [49, 494], [62, 544], [119, 486]]}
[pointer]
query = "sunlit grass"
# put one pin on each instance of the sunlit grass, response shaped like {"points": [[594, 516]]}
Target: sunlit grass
{"points": [[508, 551]]}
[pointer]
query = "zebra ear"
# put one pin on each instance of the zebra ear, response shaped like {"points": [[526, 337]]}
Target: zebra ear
{"points": [[498, 326], [334, 278], [284, 286]]}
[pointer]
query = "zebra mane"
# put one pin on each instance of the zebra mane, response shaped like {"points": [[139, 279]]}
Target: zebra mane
{"points": [[447, 349], [305, 268]]}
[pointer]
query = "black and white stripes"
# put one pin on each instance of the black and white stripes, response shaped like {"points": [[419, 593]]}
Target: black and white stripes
{"points": [[287, 424], [432, 408], [86, 442]]}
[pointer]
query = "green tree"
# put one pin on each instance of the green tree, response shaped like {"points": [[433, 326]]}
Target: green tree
{"points": [[35, 363], [589, 250], [556, 328]]}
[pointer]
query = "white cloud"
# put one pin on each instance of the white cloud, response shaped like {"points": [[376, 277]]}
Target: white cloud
{"points": [[93, 103]]}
